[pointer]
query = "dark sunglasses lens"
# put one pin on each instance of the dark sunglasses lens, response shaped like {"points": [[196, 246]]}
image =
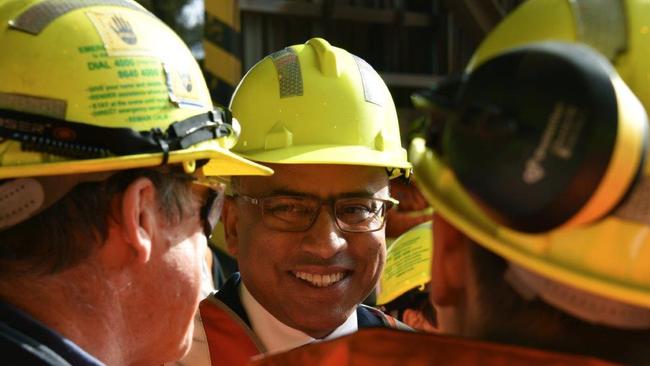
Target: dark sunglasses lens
{"points": [[212, 211]]}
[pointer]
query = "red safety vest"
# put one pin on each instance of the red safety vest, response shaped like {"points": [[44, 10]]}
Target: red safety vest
{"points": [[230, 340], [389, 347], [222, 335]]}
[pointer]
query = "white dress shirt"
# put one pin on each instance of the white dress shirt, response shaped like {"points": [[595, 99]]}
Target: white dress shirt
{"points": [[278, 337]]}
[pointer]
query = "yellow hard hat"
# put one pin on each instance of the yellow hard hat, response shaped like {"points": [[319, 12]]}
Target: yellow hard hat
{"points": [[92, 86], [408, 263], [317, 104], [559, 144], [619, 30]]}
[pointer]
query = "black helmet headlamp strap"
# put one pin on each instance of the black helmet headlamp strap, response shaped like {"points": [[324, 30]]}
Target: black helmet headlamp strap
{"points": [[84, 141]]}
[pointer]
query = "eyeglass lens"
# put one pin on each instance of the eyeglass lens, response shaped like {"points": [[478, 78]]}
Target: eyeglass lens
{"points": [[291, 213]]}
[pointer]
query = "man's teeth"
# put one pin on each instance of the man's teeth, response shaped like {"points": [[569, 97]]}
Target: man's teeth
{"points": [[320, 280]]}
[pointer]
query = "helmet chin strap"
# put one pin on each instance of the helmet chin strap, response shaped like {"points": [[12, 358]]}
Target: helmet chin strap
{"points": [[578, 303]]}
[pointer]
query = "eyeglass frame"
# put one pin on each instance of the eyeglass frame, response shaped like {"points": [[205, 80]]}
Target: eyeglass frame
{"points": [[387, 204]]}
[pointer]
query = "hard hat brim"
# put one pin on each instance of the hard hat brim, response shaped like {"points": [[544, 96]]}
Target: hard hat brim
{"points": [[221, 163], [608, 258], [330, 154]]}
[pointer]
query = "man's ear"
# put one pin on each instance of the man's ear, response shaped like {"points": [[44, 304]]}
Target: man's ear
{"points": [[229, 217], [139, 216], [448, 263]]}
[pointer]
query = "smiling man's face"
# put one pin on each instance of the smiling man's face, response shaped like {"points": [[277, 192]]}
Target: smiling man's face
{"points": [[314, 279]]}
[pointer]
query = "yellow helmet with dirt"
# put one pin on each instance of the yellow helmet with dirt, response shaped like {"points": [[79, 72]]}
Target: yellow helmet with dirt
{"points": [[92, 86]]}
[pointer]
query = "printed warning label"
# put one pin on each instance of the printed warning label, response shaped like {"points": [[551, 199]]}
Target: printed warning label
{"points": [[119, 32], [138, 92], [408, 262], [133, 77]]}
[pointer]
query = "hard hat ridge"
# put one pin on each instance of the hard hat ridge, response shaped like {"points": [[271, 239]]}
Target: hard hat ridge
{"points": [[328, 63]]}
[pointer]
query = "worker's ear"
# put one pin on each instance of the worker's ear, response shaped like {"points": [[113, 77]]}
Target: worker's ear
{"points": [[132, 222], [448, 265], [230, 218]]}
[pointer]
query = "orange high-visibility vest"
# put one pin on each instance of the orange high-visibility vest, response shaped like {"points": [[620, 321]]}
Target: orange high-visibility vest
{"points": [[389, 347]]}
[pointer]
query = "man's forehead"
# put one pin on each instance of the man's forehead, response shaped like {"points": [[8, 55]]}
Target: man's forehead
{"points": [[318, 179]]}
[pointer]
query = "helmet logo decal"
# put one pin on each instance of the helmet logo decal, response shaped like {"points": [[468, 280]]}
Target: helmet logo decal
{"points": [[121, 33], [372, 83], [123, 29], [37, 17], [180, 88], [560, 136], [287, 66]]}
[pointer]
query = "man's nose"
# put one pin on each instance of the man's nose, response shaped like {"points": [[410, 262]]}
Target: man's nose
{"points": [[324, 239]]}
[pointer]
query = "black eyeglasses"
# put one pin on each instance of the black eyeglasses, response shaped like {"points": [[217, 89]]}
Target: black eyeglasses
{"points": [[298, 213], [211, 209]]}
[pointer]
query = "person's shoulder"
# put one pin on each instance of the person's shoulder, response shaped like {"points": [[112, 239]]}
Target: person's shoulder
{"points": [[227, 299], [18, 349], [230, 288], [368, 317]]}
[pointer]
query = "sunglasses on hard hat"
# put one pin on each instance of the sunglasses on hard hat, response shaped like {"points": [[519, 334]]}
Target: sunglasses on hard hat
{"points": [[540, 136]]}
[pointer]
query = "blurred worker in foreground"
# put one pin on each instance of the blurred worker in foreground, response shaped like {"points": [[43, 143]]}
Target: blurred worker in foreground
{"points": [[547, 213], [108, 141], [539, 179], [403, 290], [310, 240]]}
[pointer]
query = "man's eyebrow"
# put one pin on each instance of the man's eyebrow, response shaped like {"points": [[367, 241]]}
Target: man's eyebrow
{"points": [[363, 193], [289, 192]]}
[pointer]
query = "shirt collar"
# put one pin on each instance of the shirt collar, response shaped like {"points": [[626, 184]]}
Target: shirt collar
{"points": [[277, 336], [44, 337]]}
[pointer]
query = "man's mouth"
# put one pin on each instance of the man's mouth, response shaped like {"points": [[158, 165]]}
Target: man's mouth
{"points": [[320, 280]]}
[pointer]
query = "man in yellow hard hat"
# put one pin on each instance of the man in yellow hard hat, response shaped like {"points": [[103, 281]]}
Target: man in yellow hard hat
{"points": [[108, 148], [310, 241], [544, 207], [539, 179]]}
